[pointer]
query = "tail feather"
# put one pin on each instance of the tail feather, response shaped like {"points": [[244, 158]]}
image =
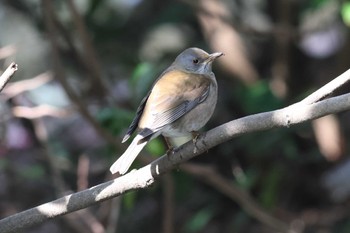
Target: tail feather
{"points": [[124, 162]]}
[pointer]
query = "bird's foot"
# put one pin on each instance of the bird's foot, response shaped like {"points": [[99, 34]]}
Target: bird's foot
{"points": [[195, 136], [171, 150]]}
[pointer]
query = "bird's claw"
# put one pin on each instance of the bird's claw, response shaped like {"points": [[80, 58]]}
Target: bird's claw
{"points": [[170, 151], [194, 141]]}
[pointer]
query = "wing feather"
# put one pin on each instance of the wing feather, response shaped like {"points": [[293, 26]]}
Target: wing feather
{"points": [[172, 96]]}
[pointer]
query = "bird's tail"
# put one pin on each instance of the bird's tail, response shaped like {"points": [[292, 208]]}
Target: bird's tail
{"points": [[125, 160]]}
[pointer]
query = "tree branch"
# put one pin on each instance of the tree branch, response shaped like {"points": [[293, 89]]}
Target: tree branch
{"points": [[89, 57], [8, 73], [61, 75], [145, 176], [328, 89]]}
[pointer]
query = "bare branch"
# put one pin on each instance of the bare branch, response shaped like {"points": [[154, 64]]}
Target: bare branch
{"points": [[328, 89], [168, 204], [89, 57], [18, 87], [145, 176], [8, 73], [40, 111], [61, 75]]}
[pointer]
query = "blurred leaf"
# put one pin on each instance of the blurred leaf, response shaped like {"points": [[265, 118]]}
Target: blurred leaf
{"points": [[143, 77], [269, 194], [156, 147], [250, 178], [317, 3], [199, 220], [115, 120], [32, 172], [257, 98], [261, 144], [345, 13], [129, 200]]}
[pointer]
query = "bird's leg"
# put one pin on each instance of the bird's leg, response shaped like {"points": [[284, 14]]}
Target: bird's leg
{"points": [[170, 150], [195, 136]]}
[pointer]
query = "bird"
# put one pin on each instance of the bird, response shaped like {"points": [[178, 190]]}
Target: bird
{"points": [[181, 101]]}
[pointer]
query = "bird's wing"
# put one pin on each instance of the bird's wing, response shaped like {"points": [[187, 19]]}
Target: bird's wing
{"points": [[136, 119], [172, 96]]}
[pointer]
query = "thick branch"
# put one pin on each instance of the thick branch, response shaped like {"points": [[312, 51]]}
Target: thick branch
{"points": [[144, 177]]}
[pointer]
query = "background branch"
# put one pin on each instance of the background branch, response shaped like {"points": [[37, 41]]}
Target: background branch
{"points": [[144, 177], [8, 73], [61, 76], [89, 57]]}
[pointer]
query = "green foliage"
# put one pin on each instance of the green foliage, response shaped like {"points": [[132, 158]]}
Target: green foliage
{"points": [[345, 13], [115, 120], [249, 179], [200, 219], [268, 143], [129, 200], [156, 147], [33, 172], [256, 98], [316, 3], [143, 77], [271, 186]]}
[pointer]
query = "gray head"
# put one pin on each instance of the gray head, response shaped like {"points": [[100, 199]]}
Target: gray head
{"points": [[195, 60]]}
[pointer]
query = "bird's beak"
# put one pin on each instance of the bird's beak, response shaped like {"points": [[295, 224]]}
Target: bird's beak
{"points": [[213, 56]]}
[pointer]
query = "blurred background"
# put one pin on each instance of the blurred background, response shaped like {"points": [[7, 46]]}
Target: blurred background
{"points": [[85, 65]]}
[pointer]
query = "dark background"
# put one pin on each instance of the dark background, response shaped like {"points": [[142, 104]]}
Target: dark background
{"points": [[84, 66]]}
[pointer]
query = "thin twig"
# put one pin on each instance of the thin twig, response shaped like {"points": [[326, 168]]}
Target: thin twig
{"points": [[16, 88], [114, 213], [90, 223], [83, 172], [8, 73], [61, 76], [40, 111], [89, 58], [168, 204]]}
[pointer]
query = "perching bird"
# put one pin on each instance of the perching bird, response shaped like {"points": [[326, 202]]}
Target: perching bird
{"points": [[181, 101]]}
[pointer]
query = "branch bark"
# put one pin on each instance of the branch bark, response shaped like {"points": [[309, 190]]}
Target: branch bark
{"points": [[303, 111]]}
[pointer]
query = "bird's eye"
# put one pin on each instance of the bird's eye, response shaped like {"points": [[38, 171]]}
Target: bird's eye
{"points": [[195, 61]]}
